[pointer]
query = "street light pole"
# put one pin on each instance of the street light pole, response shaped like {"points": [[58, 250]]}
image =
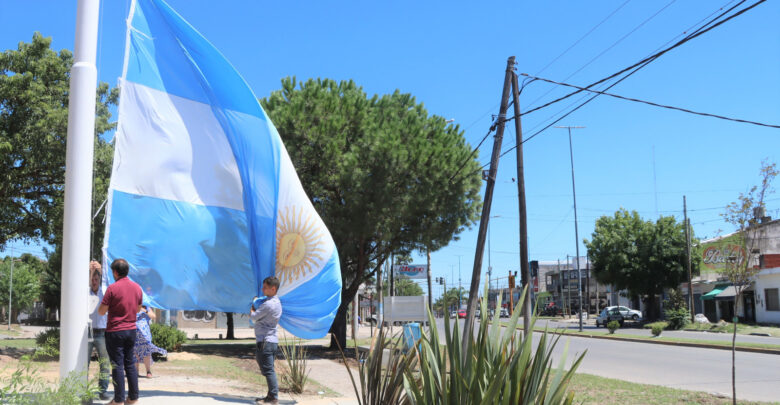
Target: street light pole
{"points": [[576, 234], [11, 288]]}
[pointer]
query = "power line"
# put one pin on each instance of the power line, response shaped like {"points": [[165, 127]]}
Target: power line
{"points": [[614, 44], [654, 104], [583, 37], [656, 55], [636, 67]]}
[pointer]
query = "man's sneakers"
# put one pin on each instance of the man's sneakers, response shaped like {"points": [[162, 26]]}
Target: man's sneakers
{"points": [[104, 396], [267, 400]]}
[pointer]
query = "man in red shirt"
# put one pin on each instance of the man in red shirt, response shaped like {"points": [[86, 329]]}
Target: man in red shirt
{"points": [[122, 301]]}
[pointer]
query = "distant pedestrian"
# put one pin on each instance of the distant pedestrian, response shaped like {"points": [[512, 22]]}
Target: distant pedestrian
{"points": [[98, 329], [143, 341], [266, 319], [121, 302]]}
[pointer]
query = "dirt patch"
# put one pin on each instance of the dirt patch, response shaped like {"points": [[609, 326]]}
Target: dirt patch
{"points": [[183, 356]]}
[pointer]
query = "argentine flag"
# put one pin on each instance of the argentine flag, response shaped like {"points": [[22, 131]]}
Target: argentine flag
{"points": [[204, 202]]}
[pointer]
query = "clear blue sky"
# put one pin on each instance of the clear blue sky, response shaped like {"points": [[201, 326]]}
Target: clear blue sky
{"points": [[451, 56]]}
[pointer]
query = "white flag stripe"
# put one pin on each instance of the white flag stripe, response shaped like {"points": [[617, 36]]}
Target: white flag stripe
{"points": [[172, 148], [293, 197]]}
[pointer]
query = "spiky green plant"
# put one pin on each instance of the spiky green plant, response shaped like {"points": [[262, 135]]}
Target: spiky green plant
{"points": [[500, 366], [296, 374], [381, 372]]}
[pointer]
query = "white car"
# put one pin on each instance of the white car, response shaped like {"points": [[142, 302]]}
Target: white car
{"points": [[617, 313]]}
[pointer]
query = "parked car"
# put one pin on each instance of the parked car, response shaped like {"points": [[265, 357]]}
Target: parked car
{"points": [[462, 314], [629, 313], [608, 315], [504, 313], [454, 314]]}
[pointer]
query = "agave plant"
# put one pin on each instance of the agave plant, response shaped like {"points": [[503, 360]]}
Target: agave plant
{"points": [[381, 372], [500, 366], [297, 373]]}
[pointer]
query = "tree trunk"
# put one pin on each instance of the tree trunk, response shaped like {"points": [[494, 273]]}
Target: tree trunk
{"points": [[734, 349], [652, 311], [338, 331], [230, 329]]}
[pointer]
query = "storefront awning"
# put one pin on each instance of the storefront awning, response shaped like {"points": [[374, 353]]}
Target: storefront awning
{"points": [[721, 292]]}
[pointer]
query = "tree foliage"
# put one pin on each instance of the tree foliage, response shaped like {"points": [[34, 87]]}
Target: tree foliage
{"points": [[27, 271], [404, 287], [450, 299], [34, 90], [642, 257], [378, 170]]}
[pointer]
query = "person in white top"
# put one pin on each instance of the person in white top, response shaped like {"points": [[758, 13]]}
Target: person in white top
{"points": [[98, 328]]}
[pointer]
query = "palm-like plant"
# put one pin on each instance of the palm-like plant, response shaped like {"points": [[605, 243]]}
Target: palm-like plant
{"points": [[500, 366]]}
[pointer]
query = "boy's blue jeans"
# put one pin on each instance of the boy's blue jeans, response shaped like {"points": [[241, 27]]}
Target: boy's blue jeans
{"points": [[265, 352]]}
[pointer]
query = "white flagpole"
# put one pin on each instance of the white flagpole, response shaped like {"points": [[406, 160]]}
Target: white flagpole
{"points": [[78, 193]]}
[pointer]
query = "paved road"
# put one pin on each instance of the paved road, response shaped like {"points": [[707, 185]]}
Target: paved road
{"points": [[637, 330], [758, 375]]}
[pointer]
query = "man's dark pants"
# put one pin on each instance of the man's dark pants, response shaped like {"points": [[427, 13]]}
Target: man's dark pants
{"points": [[99, 342], [264, 354], [120, 350]]}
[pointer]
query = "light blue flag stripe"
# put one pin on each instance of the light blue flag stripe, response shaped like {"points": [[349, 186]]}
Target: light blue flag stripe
{"points": [[192, 241]]}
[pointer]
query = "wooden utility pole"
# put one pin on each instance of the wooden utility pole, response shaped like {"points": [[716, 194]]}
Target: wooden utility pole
{"points": [[688, 254], [391, 290], [380, 314], [430, 287], [491, 180], [525, 273]]}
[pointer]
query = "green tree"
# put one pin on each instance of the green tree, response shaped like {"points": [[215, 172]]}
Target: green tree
{"points": [[34, 90], [642, 257], [26, 282], [378, 170], [744, 214], [449, 300], [404, 287]]}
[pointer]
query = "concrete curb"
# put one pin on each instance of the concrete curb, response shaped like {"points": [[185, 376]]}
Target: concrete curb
{"points": [[668, 343]]}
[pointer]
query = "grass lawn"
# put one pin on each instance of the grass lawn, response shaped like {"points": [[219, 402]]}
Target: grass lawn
{"points": [[591, 389], [742, 329], [18, 343]]}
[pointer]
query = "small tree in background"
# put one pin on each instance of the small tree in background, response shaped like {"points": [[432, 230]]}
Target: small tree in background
{"points": [[745, 214]]}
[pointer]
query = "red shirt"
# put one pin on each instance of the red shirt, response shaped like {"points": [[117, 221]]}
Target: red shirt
{"points": [[123, 298]]}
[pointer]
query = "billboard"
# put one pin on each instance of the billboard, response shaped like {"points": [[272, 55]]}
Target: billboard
{"points": [[411, 270], [716, 254]]}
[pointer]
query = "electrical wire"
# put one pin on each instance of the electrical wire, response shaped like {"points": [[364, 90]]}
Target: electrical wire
{"points": [[639, 65], [654, 104], [614, 44]]}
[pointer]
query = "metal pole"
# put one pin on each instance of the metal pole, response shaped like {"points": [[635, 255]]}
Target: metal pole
{"points": [[476, 272], [430, 286], [525, 271], [11, 288], [460, 286], [576, 234], [380, 305], [78, 193], [688, 263]]}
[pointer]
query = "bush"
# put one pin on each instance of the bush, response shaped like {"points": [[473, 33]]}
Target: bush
{"points": [[663, 325], [678, 318], [657, 329], [613, 326], [25, 386], [47, 345], [167, 337]]}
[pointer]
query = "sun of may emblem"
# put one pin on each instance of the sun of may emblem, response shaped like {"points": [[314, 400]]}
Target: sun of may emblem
{"points": [[298, 245]]}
